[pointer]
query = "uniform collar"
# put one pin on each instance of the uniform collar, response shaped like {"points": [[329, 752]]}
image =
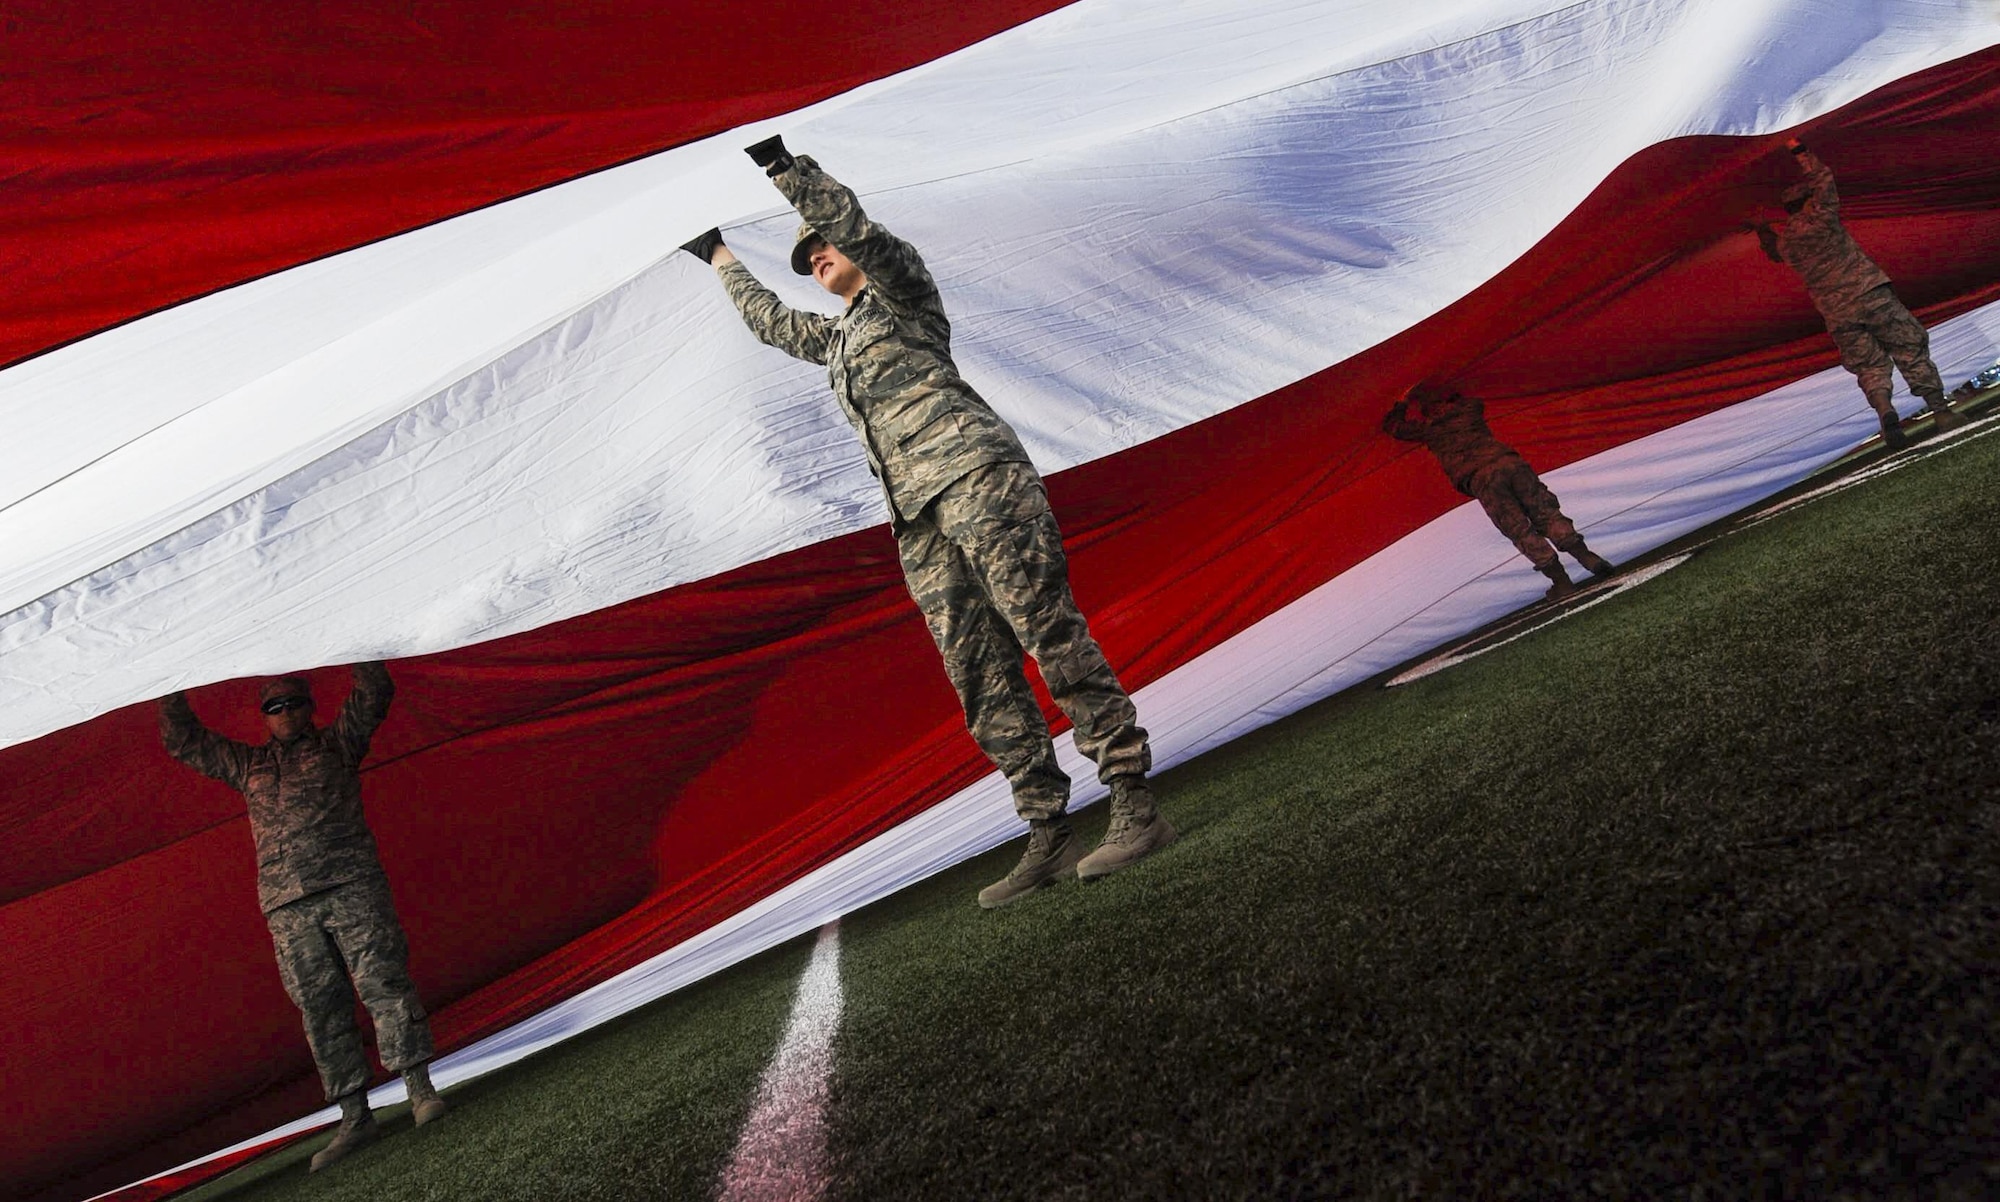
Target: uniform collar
{"points": [[311, 735]]}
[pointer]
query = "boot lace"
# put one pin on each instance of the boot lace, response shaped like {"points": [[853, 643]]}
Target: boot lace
{"points": [[1042, 842], [1122, 825]]}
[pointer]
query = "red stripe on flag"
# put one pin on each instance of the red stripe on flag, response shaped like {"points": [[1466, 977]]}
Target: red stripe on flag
{"points": [[154, 157]]}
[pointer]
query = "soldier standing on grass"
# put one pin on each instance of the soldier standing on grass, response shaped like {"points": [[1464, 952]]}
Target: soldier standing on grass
{"points": [[1868, 322], [322, 887], [979, 546], [1453, 427]]}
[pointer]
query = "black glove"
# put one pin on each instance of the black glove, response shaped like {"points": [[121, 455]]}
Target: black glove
{"points": [[1394, 417], [1768, 239], [704, 246], [770, 154]]}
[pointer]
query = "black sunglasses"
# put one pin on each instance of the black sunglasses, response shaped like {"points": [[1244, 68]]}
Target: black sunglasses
{"points": [[278, 705]]}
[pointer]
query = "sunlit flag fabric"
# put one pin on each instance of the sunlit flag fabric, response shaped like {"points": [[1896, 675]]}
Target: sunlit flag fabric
{"points": [[292, 390]]}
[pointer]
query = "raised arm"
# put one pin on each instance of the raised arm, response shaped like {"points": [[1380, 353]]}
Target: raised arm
{"points": [[1819, 177], [798, 334], [1397, 424], [366, 705], [831, 208], [199, 747]]}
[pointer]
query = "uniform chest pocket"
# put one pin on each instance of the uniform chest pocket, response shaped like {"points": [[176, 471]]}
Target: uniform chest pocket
{"points": [[870, 354], [866, 328]]}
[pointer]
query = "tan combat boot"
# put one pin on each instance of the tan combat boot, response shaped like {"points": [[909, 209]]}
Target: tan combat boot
{"points": [[1052, 854], [1892, 430], [1942, 417], [357, 1130], [425, 1105], [1560, 585], [1137, 830], [1594, 563]]}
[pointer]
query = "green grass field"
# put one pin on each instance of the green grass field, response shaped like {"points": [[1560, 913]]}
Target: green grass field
{"points": [[1694, 894]]}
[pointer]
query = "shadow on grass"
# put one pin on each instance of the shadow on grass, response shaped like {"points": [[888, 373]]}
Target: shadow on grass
{"points": [[1694, 895]]}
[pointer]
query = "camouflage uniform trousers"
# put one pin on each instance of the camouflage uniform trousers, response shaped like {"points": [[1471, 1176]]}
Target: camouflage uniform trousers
{"points": [[985, 563], [1522, 508], [1875, 330], [323, 940]]}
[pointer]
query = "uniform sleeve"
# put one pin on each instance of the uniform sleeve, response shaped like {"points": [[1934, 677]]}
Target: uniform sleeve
{"points": [[1397, 424], [1819, 177], [199, 747], [831, 208], [798, 334], [366, 705]]}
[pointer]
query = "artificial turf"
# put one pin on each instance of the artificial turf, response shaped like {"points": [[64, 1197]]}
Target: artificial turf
{"points": [[1693, 894], [647, 1106]]}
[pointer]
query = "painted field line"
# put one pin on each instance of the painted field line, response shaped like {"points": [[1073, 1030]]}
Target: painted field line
{"points": [[1977, 428], [781, 1155], [1440, 663]]}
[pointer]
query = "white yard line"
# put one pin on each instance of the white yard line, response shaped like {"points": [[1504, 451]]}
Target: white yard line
{"points": [[1978, 428], [1440, 663], [781, 1155]]}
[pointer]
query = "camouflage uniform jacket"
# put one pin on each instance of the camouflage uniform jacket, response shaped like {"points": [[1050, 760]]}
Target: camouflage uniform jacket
{"points": [[1456, 432], [1813, 243], [888, 357], [304, 796]]}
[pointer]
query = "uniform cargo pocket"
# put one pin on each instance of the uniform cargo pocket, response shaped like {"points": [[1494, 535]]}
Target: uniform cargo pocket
{"points": [[941, 435]]}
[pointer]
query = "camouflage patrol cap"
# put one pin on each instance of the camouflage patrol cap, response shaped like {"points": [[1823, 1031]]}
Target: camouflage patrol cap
{"points": [[802, 248], [286, 686], [1795, 195]]}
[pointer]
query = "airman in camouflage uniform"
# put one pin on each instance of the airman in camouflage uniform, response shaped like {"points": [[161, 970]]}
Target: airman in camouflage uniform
{"points": [[1453, 426], [1869, 324], [321, 886], [980, 549]]}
